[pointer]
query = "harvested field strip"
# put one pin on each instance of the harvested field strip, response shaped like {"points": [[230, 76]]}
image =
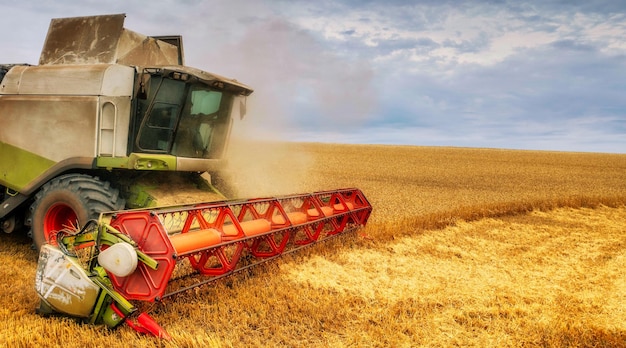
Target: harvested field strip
{"points": [[547, 278]]}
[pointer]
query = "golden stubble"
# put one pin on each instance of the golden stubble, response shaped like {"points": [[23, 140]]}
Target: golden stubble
{"points": [[510, 280]]}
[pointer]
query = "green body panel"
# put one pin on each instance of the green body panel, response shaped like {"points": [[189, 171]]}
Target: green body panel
{"points": [[139, 161], [152, 162], [19, 167]]}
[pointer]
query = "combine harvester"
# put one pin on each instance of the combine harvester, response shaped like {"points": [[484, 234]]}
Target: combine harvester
{"points": [[92, 140]]}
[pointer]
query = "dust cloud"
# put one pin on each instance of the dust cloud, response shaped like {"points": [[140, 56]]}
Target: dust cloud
{"points": [[300, 86], [263, 169]]}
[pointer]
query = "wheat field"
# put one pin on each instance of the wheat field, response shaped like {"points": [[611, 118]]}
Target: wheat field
{"points": [[465, 247]]}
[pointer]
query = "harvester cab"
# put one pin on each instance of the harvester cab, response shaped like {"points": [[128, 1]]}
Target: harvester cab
{"points": [[181, 117]]}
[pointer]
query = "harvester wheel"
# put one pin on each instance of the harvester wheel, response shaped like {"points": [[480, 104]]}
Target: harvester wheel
{"points": [[70, 201]]}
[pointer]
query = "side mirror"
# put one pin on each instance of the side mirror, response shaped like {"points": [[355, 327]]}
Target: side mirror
{"points": [[242, 107]]}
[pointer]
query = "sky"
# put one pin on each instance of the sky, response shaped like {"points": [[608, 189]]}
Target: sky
{"points": [[533, 75]]}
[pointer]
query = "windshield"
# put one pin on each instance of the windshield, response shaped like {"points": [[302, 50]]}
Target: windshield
{"points": [[204, 124], [184, 120]]}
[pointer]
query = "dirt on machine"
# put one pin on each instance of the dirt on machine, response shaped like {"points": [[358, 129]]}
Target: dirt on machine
{"points": [[105, 148]]}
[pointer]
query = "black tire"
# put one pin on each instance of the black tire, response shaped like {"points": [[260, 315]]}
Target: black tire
{"points": [[71, 199]]}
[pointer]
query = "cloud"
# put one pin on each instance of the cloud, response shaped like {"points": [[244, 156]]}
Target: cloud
{"points": [[556, 94]]}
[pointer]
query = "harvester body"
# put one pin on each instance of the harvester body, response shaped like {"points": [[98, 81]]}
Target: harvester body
{"points": [[111, 110]]}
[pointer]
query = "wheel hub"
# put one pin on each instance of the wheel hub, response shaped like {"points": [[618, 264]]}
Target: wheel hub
{"points": [[58, 217]]}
